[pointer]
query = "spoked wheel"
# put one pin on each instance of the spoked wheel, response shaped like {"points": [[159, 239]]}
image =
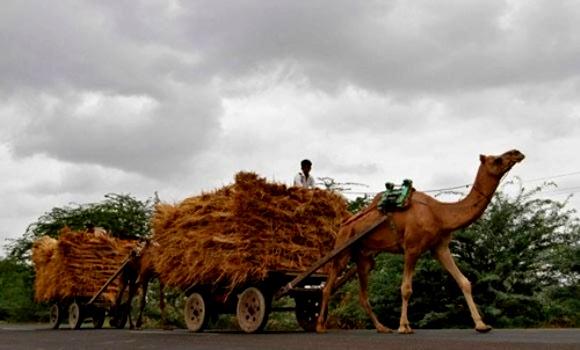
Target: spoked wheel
{"points": [[75, 316], [98, 318], [307, 310], [56, 315], [252, 310], [119, 316], [196, 312]]}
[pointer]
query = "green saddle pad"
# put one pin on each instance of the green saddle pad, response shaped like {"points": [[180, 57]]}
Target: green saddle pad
{"points": [[395, 197]]}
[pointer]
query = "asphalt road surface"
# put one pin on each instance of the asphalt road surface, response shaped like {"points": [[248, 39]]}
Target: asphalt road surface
{"points": [[16, 337]]}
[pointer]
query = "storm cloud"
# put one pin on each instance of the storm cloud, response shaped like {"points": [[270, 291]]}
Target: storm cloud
{"points": [[177, 96]]}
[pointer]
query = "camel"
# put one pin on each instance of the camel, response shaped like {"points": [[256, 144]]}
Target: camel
{"points": [[138, 273], [426, 225]]}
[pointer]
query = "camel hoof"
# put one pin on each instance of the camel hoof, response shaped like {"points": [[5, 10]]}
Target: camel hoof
{"points": [[320, 329], [485, 329], [405, 330], [384, 330]]}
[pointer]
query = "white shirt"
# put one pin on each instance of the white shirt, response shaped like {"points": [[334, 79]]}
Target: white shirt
{"points": [[301, 181]]}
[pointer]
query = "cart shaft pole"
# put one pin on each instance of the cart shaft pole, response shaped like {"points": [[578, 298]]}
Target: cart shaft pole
{"points": [[110, 280], [347, 276], [327, 258]]}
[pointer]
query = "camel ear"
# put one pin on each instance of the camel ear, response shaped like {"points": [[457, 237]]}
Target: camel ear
{"points": [[481, 158]]}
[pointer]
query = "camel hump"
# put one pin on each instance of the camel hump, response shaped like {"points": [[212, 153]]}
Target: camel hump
{"points": [[396, 197]]}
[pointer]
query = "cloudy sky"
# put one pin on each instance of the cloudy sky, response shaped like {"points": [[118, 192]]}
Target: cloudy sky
{"points": [[134, 97]]}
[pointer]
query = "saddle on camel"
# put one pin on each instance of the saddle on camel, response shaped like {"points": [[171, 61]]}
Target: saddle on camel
{"points": [[426, 224]]}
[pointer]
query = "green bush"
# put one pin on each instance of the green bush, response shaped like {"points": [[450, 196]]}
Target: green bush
{"points": [[16, 293]]}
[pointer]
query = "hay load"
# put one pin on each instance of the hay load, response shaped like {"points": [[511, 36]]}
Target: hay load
{"points": [[77, 264], [244, 230], [46, 265]]}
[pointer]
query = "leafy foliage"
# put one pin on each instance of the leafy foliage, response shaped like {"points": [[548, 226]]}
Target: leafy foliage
{"points": [[122, 215], [16, 292], [520, 248], [358, 204]]}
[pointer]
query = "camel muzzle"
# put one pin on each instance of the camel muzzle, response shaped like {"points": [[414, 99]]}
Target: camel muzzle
{"points": [[514, 156]]}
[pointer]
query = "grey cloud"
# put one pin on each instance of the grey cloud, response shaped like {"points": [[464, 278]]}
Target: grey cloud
{"points": [[74, 181], [378, 114], [424, 47], [126, 46], [344, 167], [176, 55], [66, 49], [173, 134], [80, 180], [73, 45], [454, 78]]}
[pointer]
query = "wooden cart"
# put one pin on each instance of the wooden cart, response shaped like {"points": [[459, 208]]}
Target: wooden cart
{"points": [[252, 302], [79, 309]]}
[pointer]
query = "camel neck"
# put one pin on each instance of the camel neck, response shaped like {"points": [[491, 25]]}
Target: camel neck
{"points": [[464, 212]]}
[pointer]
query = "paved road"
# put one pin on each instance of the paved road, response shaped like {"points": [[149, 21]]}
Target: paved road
{"points": [[39, 337]]}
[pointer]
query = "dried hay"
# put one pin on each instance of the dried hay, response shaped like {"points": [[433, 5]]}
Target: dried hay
{"points": [[242, 231], [77, 264]]}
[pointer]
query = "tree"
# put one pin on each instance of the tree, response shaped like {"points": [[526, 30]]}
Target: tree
{"points": [[16, 292], [521, 249], [122, 215], [359, 203]]}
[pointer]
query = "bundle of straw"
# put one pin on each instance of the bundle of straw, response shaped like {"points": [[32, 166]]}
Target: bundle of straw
{"points": [[243, 231], [46, 265], [77, 264]]}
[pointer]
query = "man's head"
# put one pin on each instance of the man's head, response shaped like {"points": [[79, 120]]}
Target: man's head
{"points": [[306, 166]]}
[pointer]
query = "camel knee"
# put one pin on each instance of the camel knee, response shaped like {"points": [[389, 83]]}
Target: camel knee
{"points": [[465, 286], [406, 291], [363, 299]]}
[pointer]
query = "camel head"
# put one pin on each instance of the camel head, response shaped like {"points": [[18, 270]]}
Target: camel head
{"points": [[499, 165]]}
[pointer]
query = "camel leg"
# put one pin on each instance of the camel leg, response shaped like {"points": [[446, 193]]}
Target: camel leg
{"points": [[364, 265], [143, 301], [446, 259], [164, 322], [326, 293], [119, 297], [407, 290], [116, 309], [132, 291]]}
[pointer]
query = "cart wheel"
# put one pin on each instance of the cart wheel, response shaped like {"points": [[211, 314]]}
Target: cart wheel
{"points": [[75, 315], [98, 318], [56, 315], [196, 312], [113, 321], [252, 310], [307, 310], [119, 317]]}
